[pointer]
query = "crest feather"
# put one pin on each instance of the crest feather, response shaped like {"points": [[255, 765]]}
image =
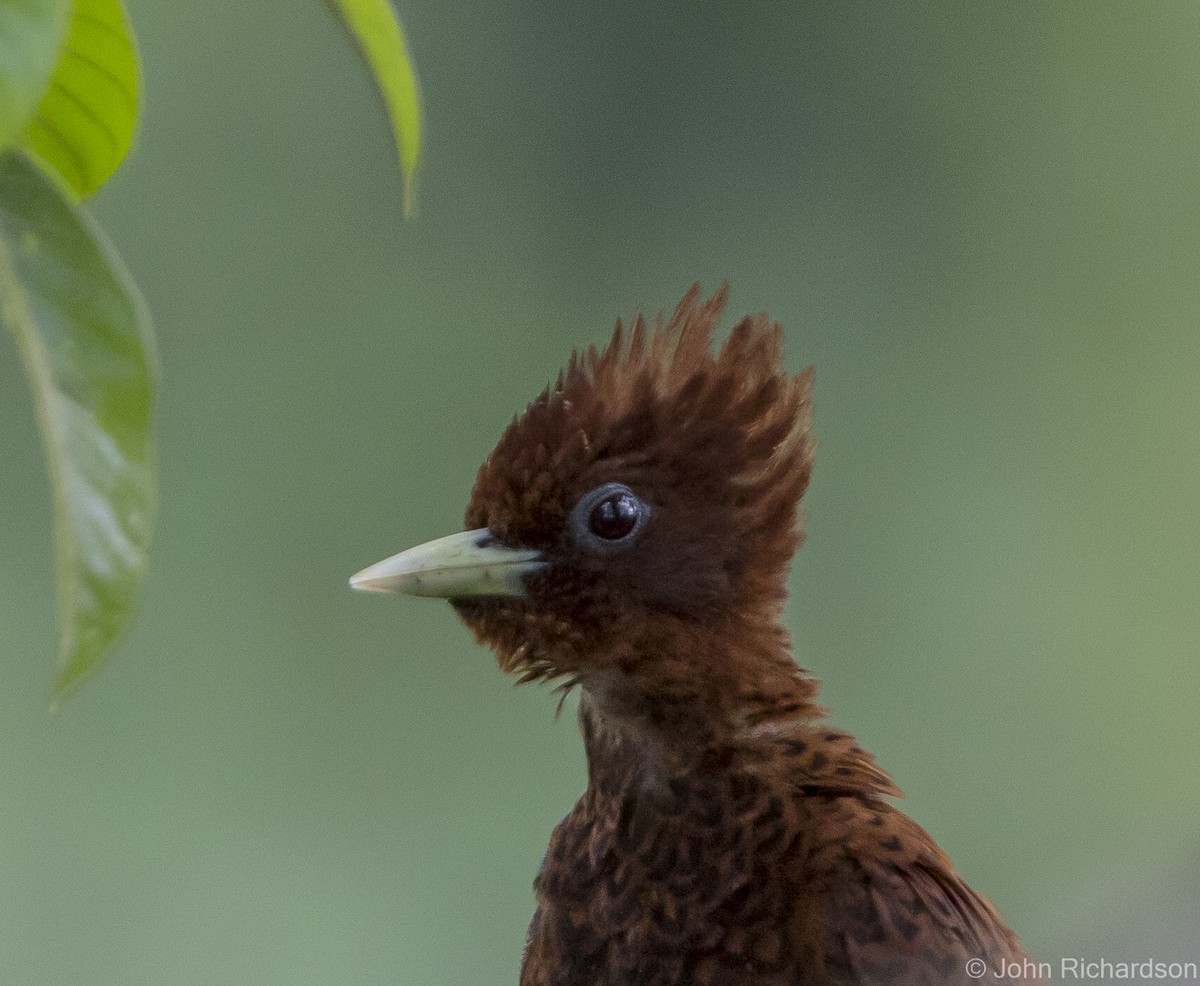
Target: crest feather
{"points": [[744, 383]]}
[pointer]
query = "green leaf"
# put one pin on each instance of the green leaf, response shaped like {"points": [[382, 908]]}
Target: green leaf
{"points": [[84, 123], [30, 33], [86, 342], [380, 38]]}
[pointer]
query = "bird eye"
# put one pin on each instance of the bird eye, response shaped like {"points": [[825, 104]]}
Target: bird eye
{"points": [[614, 517], [609, 516]]}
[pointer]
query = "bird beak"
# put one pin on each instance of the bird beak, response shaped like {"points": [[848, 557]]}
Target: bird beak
{"points": [[466, 564]]}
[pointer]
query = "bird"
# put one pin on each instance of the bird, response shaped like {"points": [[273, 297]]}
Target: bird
{"points": [[630, 537]]}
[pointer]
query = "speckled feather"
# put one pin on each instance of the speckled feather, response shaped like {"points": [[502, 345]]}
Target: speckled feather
{"points": [[727, 834]]}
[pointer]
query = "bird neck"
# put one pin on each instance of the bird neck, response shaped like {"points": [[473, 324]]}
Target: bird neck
{"points": [[636, 765], [682, 702]]}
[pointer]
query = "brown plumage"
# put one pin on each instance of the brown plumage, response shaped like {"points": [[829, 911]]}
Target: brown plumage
{"points": [[631, 536]]}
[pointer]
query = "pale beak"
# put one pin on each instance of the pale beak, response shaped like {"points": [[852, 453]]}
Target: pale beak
{"points": [[466, 564]]}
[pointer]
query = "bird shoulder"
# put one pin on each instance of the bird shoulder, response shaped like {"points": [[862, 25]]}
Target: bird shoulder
{"points": [[886, 905]]}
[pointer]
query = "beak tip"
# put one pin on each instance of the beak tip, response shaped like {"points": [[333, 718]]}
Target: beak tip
{"points": [[364, 581]]}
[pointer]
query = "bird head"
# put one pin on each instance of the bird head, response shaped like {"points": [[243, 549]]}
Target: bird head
{"points": [[632, 530]]}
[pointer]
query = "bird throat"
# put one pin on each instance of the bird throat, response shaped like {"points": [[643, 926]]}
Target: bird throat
{"points": [[646, 743]]}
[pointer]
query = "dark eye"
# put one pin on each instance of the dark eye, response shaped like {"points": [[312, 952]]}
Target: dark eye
{"points": [[614, 517], [610, 516]]}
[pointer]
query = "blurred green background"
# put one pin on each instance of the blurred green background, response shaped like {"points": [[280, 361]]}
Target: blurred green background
{"points": [[981, 224]]}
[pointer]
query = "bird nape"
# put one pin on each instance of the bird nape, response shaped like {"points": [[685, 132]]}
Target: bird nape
{"points": [[630, 535]]}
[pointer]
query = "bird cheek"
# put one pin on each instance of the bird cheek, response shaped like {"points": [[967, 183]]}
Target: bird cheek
{"points": [[685, 583]]}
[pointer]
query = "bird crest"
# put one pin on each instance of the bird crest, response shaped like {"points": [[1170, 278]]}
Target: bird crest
{"points": [[672, 364]]}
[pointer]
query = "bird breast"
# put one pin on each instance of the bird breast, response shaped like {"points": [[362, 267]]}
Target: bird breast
{"points": [[633, 885]]}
